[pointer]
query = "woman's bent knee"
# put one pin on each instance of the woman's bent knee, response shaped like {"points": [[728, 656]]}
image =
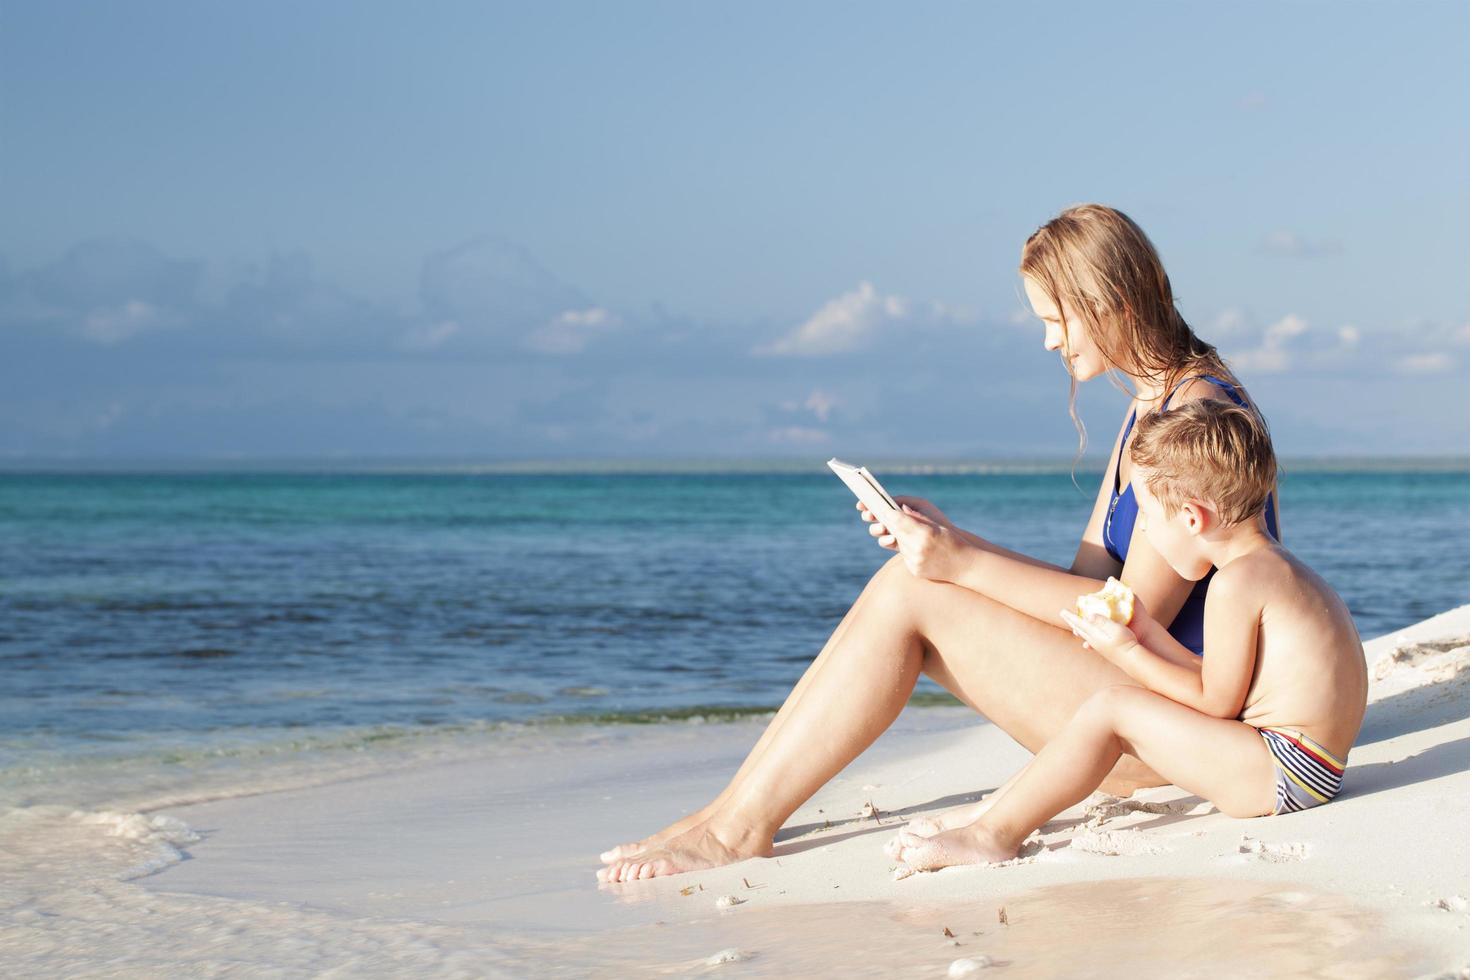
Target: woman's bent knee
{"points": [[894, 566], [1111, 704], [896, 586]]}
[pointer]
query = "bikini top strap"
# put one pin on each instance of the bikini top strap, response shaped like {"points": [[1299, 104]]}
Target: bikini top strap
{"points": [[1223, 385]]}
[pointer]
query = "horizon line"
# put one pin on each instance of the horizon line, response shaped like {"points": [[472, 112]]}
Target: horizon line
{"points": [[656, 465]]}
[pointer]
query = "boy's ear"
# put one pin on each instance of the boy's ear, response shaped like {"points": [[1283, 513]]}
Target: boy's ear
{"points": [[1197, 516]]}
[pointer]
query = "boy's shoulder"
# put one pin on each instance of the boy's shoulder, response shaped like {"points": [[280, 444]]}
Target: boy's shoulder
{"points": [[1256, 575]]}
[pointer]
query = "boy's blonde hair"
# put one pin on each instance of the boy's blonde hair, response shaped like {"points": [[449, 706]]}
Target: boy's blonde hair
{"points": [[1207, 450]]}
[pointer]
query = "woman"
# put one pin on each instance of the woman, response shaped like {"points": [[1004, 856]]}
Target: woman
{"points": [[977, 618]]}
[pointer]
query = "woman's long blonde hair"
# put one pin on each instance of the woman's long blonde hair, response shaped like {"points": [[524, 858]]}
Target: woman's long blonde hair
{"points": [[1102, 265]]}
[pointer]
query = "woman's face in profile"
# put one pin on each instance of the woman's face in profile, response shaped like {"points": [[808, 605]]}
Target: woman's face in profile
{"points": [[1066, 333]]}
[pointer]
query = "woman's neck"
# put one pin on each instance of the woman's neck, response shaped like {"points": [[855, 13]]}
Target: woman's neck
{"points": [[1147, 391]]}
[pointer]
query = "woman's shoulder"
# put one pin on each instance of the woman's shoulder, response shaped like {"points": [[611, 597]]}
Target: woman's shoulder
{"points": [[1199, 387]]}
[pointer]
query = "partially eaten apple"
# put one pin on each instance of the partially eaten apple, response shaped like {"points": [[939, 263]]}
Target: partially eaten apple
{"points": [[1113, 601]]}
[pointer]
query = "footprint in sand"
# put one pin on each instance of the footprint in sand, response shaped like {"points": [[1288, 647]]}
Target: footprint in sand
{"points": [[1410, 655], [1101, 811], [1030, 851], [1274, 853], [1455, 903], [1116, 843]]}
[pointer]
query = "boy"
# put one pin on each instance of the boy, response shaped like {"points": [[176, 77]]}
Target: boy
{"points": [[1264, 723]]}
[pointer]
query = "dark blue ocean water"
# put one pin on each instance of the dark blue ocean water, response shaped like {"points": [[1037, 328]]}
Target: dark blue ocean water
{"points": [[204, 605]]}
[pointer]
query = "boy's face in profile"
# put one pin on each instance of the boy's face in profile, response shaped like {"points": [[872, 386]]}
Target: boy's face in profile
{"points": [[1176, 537]]}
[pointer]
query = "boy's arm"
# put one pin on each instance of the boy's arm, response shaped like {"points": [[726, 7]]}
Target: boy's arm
{"points": [[1219, 685]]}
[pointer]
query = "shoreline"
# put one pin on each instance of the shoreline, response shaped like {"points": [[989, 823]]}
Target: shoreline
{"points": [[482, 863]]}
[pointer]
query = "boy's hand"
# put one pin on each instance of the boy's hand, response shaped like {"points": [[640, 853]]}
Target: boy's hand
{"points": [[1144, 626], [1108, 638]]}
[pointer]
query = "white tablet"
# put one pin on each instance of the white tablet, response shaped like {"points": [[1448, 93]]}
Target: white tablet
{"points": [[864, 485]]}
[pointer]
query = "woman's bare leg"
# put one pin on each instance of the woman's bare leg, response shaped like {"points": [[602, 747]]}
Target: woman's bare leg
{"points": [[1024, 675], [703, 814]]}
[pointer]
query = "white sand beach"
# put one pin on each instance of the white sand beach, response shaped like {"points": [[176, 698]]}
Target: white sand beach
{"points": [[484, 865]]}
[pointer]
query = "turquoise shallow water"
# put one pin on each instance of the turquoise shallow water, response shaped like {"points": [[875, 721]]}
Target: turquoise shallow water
{"points": [[199, 609]]}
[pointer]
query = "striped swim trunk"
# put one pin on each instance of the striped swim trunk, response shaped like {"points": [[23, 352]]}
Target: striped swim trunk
{"points": [[1307, 775]]}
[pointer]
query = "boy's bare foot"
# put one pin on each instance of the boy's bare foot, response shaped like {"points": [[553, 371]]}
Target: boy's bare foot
{"points": [[951, 819], [974, 844], [694, 850], [672, 830]]}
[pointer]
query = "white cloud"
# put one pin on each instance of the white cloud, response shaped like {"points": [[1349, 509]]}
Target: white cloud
{"points": [[798, 435], [430, 336], [493, 286], [795, 421], [956, 314], [1435, 363], [570, 331], [1412, 347], [820, 404], [114, 324], [103, 291], [1229, 323], [1284, 242], [1273, 353], [108, 417], [847, 323]]}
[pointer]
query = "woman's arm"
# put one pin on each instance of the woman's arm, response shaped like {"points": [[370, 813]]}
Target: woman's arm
{"points": [[1148, 654], [1090, 566], [1039, 589], [880, 531], [1092, 558], [983, 559], [976, 541], [1039, 592]]}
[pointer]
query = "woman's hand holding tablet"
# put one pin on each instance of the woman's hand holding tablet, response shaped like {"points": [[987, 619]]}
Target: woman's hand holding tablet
{"points": [[864, 485], [931, 543]]}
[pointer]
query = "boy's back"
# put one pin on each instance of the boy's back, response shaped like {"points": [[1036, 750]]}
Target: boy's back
{"points": [[1310, 674]]}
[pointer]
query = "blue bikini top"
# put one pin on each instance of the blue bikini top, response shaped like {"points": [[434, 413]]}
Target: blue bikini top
{"points": [[1189, 626]]}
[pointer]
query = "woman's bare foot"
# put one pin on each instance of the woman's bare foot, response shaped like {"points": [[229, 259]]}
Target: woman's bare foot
{"points": [[951, 819], [974, 844], [694, 850], [672, 830]]}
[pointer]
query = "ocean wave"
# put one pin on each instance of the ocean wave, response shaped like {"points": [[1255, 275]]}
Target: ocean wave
{"points": [[74, 905], [73, 846], [142, 773]]}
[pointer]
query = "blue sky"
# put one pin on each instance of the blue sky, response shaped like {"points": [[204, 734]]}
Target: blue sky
{"points": [[653, 230]]}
